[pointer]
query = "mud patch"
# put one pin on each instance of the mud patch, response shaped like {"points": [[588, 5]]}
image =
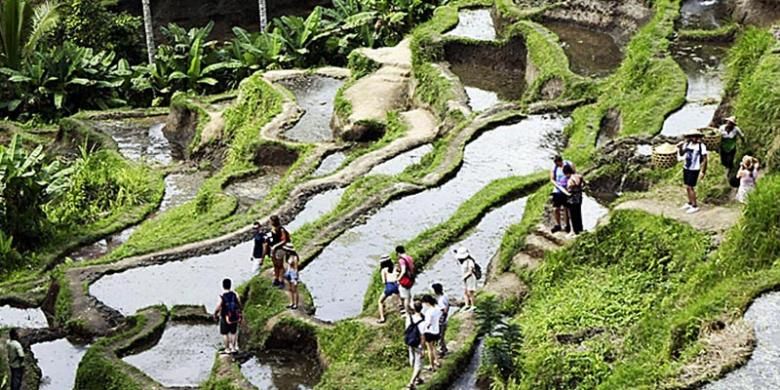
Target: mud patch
{"points": [[330, 164], [183, 356], [314, 94], [316, 207], [610, 126], [399, 163], [282, 370], [13, 317], [58, 361], [474, 24], [590, 52], [275, 154]]}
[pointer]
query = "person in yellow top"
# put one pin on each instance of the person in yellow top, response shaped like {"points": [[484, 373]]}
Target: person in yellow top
{"points": [[15, 359]]}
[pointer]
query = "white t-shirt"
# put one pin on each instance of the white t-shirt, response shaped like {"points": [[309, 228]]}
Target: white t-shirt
{"points": [[730, 134], [432, 315], [692, 156], [444, 302], [466, 267]]}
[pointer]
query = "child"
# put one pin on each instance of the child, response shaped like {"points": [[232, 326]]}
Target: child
{"points": [[390, 283], [229, 314], [292, 275], [747, 175]]}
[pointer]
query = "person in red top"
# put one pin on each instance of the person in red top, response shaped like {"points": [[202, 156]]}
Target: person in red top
{"points": [[405, 277]]}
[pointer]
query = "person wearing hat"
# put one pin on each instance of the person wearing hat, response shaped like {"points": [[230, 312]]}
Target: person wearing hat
{"points": [[468, 277], [292, 275], [693, 153], [728, 141], [389, 281]]}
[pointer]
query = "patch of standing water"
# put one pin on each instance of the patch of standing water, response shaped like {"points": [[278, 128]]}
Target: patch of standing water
{"points": [[485, 85], [139, 139], [255, 189], [104, 246], [468, 379], [58, 361], [703, 14], [482, 244], [398, 163], [330, 164], [761, 371], [183, 356], [703, 65], [317, 206], [282, 370], [339, 276], [590, 52], [474, 24], [196, 281], [314, 95], [22, 318]]}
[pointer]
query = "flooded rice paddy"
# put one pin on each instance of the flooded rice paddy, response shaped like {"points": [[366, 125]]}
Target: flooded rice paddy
{"points": [[474, 24], [316, 207], [58, 361], [330, 164], [400, 162], [590, 52], [255, 189], [314, 94], [139, 139], [22, 318], [282, 370], [704, 14]]}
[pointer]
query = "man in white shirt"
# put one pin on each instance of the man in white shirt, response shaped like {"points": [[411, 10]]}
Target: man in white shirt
{"points": [[693, 153], [444, 307], [15, 359]]}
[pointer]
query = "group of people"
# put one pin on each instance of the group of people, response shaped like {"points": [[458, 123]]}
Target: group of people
{"points": [[566, 196], [426, 319], [693, 153]]}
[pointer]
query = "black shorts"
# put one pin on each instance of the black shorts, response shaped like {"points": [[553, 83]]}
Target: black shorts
{"points": [[225, 328], [559, 199], [432, 337], [690, 178]]}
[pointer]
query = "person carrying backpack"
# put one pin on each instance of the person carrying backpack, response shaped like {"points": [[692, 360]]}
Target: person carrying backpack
{"points": [[470, 272], [574, 202], [228, 313], [414, 338], [559, 197], [406, 276], [693, 153], [15, 359]]}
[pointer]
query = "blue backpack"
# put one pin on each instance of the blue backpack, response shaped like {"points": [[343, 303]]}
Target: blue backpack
{"points": [[412, 336], [231, 309]]}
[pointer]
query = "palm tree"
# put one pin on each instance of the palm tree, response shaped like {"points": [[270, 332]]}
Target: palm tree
{"points": [[263, 14], [149, 30], [21, 27]]}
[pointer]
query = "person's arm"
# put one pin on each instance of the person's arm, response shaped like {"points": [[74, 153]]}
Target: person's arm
{"points": [[470, 271], [704, 160], [219, 307], [552, 175], [740, 134], [401, 270]]}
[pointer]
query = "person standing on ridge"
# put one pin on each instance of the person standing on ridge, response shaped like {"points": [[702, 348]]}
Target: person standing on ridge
{"points": [[389, 281], [15, 359], [292, 275], [405, 276], [444, 305], [228, 312], [559, 197], [693, 153], [278, 238], [259, 249], [574, 200], [469, 277], [728, 142]]}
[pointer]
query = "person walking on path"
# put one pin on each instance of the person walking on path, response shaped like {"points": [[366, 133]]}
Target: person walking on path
{"points": [[728, 142], [574, 187], [278, 238], [432, 334], [390, 282], [559, 182], [469, 277], [747, 175], [228, 312], [292, 275], [693, 153], [414, 338], [15, 359], [443, 302], [259, 249], [406, 276]]}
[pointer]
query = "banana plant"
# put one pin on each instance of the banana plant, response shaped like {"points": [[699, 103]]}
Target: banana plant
{"points": [[21, 27], [300, 36]]}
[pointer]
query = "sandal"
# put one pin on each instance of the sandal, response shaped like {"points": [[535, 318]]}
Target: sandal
{"points": [[380, 321]]}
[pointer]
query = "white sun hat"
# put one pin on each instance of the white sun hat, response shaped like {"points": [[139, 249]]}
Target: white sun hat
{"points": [[462, 253]]}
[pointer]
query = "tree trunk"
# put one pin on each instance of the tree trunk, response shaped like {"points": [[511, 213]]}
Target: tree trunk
{"points": [[149, 29], [263, 14]]}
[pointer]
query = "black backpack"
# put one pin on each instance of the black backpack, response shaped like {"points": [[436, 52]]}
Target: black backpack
{"points": [[412, 336], [231, 309], [477, 271]]}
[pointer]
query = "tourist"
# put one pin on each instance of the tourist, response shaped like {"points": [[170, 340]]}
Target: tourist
{"points": [[278, 238], [292, 275], [559, 182], [693, 153], [390, 283], [728, 142], [574, 201], [414, 338], [469, 277], [15, 359], [259, 249], [228, 313], [432, 334], [444, 305], [747, 175], [405, 276]]}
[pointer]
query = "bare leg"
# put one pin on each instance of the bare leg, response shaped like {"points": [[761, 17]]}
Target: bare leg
{"points": [[226, 339], [382, 308], [557, 215], [295, 295]]}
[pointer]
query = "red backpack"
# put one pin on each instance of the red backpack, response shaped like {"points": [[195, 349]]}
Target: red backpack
{"points": [[407, 279]]}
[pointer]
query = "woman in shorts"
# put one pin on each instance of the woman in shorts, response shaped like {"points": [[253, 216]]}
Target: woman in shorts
{"points": [[292, 275], [389, 277]]}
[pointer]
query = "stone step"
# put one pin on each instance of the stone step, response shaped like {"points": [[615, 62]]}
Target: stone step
{"points": [[537, 246]]}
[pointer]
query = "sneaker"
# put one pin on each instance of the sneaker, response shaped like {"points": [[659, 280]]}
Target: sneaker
{"points": [[556, 228], [567, 229], [294, 307], [686, 206], [291, 307], [275, 283], [692, 210]]}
